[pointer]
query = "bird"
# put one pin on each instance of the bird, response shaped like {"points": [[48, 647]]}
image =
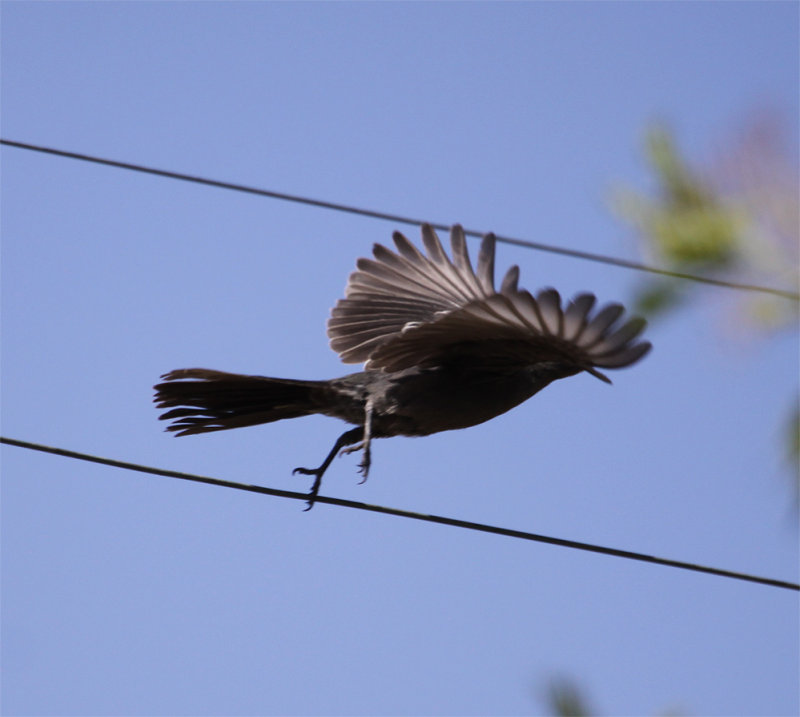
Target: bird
{"points": [[442, 350]]}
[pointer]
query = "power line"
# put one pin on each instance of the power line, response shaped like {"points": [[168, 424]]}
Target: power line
{"points": [[589, 256], [455, 522]]}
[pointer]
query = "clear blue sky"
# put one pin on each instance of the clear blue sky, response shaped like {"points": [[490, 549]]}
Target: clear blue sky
{"points": [[132, 594]]}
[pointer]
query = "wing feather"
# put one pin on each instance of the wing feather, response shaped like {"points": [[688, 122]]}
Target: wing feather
{"points": [[404, 308]]}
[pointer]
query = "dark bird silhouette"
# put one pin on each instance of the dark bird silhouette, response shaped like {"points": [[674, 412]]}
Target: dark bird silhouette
{"points": [[442, 349]]}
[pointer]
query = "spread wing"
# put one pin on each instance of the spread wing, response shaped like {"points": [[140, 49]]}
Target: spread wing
{"points": [[404, 309]]}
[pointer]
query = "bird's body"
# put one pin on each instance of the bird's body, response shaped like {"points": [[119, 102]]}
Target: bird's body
{"points": [[443, 350]]}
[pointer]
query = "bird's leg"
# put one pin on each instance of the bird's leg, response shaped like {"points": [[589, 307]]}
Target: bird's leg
{"points": [[366, 458], [345, 439]]}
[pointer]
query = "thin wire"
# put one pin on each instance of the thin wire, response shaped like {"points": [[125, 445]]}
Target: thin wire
{"points": [[398, 219], [455, 522]]}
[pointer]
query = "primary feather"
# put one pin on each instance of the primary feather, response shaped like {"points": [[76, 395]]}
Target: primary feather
{"points": [[404, 309]]}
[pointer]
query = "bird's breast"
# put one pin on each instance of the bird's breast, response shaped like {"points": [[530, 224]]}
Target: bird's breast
{"points": [[421, 402]]}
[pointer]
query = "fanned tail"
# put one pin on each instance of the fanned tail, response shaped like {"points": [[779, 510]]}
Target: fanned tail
{"points": [[202, 400]]}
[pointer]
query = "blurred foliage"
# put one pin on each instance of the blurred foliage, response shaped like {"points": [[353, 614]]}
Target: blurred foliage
{"points": [[565, 699], [793, 440], [735, 218], [687, 224]]}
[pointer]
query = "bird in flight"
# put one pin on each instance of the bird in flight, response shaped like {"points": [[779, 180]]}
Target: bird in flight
{"points": [[442, 349]]}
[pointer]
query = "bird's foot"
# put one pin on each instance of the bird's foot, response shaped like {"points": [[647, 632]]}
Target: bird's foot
{"points": [[351, 449], [363, 466], [317, 473], [350, 436], [366, 459]]}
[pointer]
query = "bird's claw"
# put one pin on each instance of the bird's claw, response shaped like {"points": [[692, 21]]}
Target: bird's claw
{"points": [[351, 449], [363, 469], [312, 495], [366, 461]]}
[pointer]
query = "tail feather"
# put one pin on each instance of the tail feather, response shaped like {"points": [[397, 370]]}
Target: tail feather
{"points": [[202, 400]]}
